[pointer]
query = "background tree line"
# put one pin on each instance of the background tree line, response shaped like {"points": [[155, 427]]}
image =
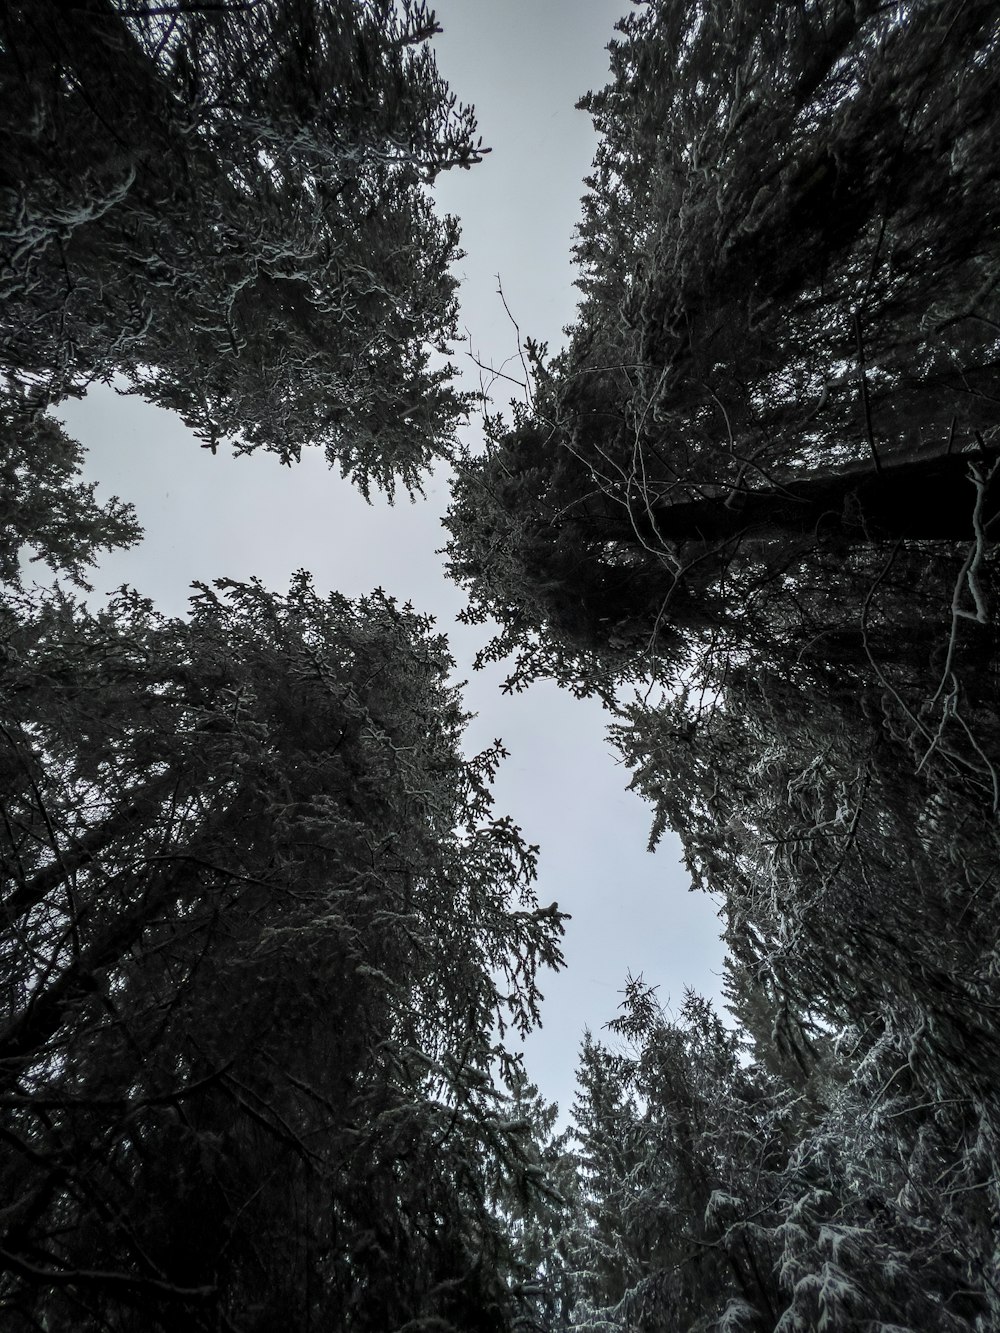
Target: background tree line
{"points": [[262, 934]]}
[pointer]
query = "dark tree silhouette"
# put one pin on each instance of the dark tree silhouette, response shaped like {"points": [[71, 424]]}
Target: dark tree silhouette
{"points": [[786, 352], [764, 476], [261, 937]]}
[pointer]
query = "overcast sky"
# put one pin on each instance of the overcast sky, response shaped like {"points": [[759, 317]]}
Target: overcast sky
{"points": [[523, 64]]}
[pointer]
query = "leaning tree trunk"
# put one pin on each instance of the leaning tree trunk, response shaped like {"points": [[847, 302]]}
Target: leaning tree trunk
{"points": [[952, 497]]}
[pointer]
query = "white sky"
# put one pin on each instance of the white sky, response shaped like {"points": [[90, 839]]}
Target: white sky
{"points": [[523, 64]]}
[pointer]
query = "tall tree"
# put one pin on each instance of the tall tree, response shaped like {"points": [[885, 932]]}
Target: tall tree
{"points": [[261, 937], [853, 845], [764, 472], [538, 1211], [693, 1144], [228, 205]]}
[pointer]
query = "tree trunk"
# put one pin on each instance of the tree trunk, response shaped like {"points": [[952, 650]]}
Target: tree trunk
{"points": [[917, 498], [139, 813]]}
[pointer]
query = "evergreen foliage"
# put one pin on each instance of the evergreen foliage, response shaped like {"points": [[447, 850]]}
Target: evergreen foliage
{"points": [[785, 355], [47, 512], [261, 938], [227, 205], [764, 476], [727, 1199], [263, 941]]}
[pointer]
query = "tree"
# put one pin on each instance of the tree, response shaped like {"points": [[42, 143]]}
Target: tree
{"points": [[538, 1211], [607, 1251], [764, 474], [261, 939], [46, 508], [854, 856], [695, 1147], [228, 205], [731, 1203], [785, 356]]}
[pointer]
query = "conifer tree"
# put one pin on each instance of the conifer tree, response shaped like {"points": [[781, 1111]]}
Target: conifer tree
{"points": [[227, 205], [261, 937]]}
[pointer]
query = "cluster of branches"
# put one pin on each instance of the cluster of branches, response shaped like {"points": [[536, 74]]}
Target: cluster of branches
{"points": [[787, 345]]}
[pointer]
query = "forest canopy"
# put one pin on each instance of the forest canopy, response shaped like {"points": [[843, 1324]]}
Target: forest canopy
{"points": [[266, 948], [760, 482]]}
